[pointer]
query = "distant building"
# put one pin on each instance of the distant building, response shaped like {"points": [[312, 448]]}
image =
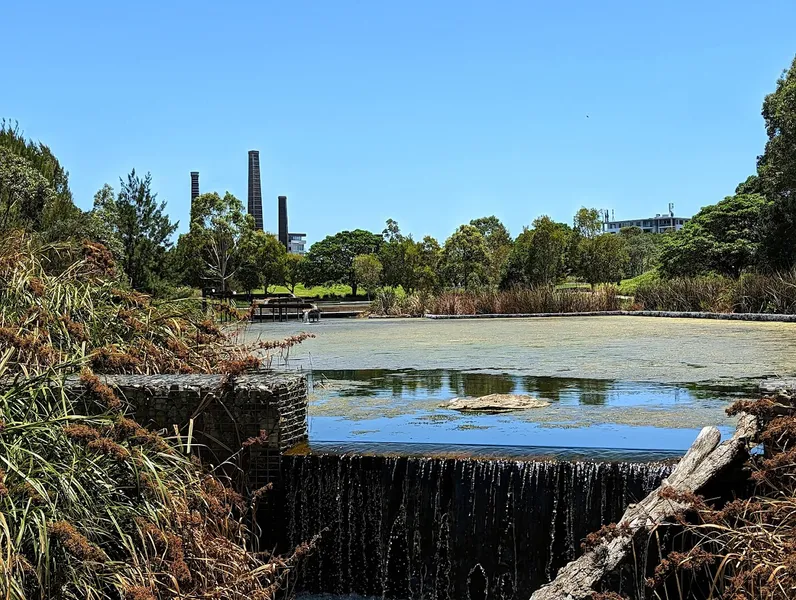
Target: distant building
{"points": [[296, 243], [657, 224]]}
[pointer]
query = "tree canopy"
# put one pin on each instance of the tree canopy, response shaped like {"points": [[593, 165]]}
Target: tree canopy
{"points": [[539, 255], [24, 193], [723, 238], [143, 228], [332, 258], [294, 269], [587, 222], [465, 257], [643, 250], [498, 245], [776, 175], [263, 259], [602, 259], [367, 269]]}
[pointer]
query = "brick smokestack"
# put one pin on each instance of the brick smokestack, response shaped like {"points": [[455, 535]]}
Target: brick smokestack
{"points": [[194, 185], [255, 191], [283, 221]]}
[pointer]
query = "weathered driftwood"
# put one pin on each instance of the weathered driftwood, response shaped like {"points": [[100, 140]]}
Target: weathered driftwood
{"points": [[704, 460]]}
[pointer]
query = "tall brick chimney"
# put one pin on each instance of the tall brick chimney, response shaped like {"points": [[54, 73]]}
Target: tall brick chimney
{"points": [[194, 185], [283, 221], [255, 191]]}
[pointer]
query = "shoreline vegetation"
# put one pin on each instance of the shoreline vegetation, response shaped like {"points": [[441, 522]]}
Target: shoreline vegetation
{"points": [[758, 317], [753, 295], [93, 504]]}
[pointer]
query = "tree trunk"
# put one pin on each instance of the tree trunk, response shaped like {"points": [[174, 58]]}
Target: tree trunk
{"points": [[703, 462]]}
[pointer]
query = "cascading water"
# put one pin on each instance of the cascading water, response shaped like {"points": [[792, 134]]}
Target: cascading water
{"points": [[410, 528]]}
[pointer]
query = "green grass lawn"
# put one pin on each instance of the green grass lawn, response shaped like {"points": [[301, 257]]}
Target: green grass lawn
{"points": [[573, 285], [317, 291], [628, 286]]}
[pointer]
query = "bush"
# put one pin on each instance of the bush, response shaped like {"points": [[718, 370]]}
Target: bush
{"points": [[389, 302]]}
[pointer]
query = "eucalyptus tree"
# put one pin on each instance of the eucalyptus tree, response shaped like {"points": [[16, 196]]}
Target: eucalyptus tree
{"points": [[465, 257], [218, 234]]}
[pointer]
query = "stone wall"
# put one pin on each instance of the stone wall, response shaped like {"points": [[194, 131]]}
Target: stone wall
{"points": [[225, 414]]}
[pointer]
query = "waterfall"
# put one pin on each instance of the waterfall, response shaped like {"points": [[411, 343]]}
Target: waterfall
{"points": [[409, 528]]}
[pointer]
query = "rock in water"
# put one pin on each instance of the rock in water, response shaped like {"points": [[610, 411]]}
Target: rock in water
{"points": [[494, 403]]}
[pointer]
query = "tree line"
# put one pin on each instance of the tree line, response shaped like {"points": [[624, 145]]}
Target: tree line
{"points": [[754, 229], [480, 254]]}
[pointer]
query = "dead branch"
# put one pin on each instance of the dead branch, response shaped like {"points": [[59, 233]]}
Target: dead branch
{"points": [[703, 462]]}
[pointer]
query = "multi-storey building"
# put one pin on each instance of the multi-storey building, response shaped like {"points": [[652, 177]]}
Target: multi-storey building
{"points": [[657, 224]]}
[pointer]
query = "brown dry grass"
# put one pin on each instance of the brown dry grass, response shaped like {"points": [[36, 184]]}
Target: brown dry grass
{"points": [[745, 548]]}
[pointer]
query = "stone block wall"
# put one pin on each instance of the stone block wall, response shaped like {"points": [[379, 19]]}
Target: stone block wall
{"points": [[225, 414]]}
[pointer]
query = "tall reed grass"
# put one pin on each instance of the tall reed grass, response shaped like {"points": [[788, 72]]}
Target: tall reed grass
{"points": [[541, 299], [696, 294], [92, 505], [61, 301], [751, 293]]}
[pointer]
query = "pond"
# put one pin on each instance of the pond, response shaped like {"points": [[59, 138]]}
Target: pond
{"points": [[630, 383]]}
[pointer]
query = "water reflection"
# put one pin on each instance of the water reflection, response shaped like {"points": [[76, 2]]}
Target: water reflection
{"points": [[445, 384], [379, 405]]}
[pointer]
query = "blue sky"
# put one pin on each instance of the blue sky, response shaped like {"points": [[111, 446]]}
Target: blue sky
{"points": [[430, 113]]}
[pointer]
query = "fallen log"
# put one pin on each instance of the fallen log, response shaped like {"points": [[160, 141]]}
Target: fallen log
{"points": [[703, 462]]}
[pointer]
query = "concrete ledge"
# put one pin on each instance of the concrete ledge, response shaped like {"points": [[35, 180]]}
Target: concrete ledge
{"points": [[634, 313], [225, 413]]}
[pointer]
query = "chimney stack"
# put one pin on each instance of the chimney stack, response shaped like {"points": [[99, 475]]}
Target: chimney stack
{"points": [[255, 191], [194, 185], [283, 237]]}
